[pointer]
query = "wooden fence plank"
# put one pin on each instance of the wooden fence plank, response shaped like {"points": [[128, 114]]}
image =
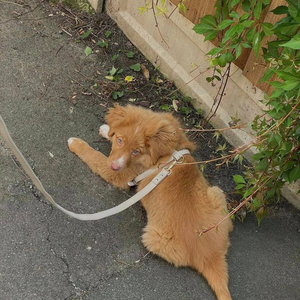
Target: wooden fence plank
{"points": [[256, 66], [195, 9]]}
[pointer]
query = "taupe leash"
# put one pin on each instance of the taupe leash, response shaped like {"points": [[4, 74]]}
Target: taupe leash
{"points": [[165, 172]]}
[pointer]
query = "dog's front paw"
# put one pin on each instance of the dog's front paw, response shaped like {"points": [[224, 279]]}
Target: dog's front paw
{"points": [[103, 131], [75, 144]]}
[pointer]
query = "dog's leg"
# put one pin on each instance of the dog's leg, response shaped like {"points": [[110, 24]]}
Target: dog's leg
{"points": [[97, 162], [215, 271], [103, 131]]}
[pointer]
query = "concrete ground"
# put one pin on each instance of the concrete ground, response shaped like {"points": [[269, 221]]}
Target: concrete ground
{"points": [[47, 255]]}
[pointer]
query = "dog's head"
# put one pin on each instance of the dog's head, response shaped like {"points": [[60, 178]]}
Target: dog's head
{"points": [[140, 137]]}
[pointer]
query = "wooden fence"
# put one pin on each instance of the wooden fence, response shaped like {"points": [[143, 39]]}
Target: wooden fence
{"points": [[253, 67]]}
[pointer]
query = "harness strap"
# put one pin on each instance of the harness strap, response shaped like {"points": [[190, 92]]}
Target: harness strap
{"points": [[176, 155], [83, 217]]}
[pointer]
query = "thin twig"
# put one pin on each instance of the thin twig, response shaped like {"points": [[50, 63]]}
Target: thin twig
{"points": [[156, 24], [223, 87], [200, 233], [217, 130]]}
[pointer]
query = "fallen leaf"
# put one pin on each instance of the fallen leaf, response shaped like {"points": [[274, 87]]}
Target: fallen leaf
{"points": [[174, 103], [146, 72], [88, 51], [135, 67], [129, 78]]}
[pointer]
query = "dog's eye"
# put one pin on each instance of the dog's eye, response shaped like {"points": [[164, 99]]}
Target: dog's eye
{"points": [[119, 141], [136, 152]]}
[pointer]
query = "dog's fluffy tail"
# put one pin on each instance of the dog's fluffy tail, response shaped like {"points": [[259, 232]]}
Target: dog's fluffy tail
{"points": [[217, 198]]}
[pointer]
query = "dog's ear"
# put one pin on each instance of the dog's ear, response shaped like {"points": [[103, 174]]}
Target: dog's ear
{"points": [[115, 117], [161, 139]]}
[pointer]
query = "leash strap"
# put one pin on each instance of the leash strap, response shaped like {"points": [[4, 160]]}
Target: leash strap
{"points": [[165, 172]]}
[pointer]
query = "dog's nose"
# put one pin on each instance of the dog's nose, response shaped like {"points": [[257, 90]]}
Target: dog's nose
{"points": [[115, 166]]}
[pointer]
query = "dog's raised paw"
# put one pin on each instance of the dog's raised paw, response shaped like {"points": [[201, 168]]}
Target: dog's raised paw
{"points": [[70, 140], [72, 143], [103, 131]]}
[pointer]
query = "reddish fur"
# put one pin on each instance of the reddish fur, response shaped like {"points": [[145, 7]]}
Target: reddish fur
{"points": [[182, 204]]}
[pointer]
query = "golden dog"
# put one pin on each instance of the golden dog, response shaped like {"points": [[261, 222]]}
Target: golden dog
{"points": [[182, 204]]}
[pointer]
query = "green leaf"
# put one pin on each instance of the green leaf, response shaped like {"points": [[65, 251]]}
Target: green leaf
{"points": [[238, 51], [244, 17], [103, 44], [240, 186], [250, 35], [136, 67], [257, 156], [266, 2], [257, 9], [285, 29], [214, 51], [286, 76], [107, 33], [224, 59], [233, 31], [262, 165], [294, 43], [232, 3], [246, 5], [117, 95], [276, 93], [224, 24], [202, 28], [247, 23], [290, 84], [239, 179], [210, 35], [86, 34], [209, 20], [88, 51], [248, 192], [245, 45], [295, 173], [268, 75], [165, 107], [276, 114], [113, 71], [234, 15], [130, 54], [256, 43], [182, 7], [267, 28], [115, 57], [280, 10], [293, 8]]}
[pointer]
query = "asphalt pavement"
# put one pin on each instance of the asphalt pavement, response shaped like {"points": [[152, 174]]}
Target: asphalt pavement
{"points": [[45, 255]]}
